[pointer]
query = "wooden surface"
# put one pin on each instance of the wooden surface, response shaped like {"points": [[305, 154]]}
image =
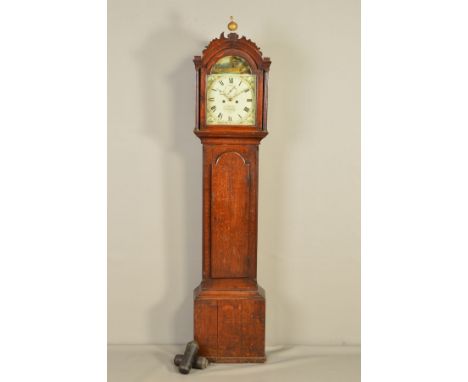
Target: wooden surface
{"points": [[230, 185], [230, 325], [229, 306]]}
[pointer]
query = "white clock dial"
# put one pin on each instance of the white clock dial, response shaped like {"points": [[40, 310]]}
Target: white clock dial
{"points": [[230, 99]]}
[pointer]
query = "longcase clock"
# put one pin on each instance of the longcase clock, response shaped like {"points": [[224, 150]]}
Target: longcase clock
{"points": [[231, 108]]}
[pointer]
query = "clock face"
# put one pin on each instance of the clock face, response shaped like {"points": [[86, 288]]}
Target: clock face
{"points": [[230, 99]]}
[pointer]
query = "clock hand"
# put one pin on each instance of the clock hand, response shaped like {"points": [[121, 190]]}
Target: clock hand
{"points": [[231, 90], [227, 94], [237, 94], [224, 94]]}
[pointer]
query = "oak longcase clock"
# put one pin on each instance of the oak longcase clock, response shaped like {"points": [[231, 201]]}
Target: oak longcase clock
{"points": [[231, 108]]}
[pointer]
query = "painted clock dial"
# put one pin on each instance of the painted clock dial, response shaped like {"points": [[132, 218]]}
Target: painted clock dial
{"points": [[231, 93]]}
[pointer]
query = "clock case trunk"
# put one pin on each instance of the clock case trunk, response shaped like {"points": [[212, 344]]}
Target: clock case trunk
{"points": [[229, 305]]}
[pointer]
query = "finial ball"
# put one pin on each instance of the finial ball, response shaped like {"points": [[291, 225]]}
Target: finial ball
{"points": [[232, 26]]}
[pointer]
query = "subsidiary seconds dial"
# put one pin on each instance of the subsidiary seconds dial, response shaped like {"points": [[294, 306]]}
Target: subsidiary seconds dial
{"points": [[230, 99]]}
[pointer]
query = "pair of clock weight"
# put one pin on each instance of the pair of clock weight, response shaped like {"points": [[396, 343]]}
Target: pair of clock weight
{"points": [[231, 109]]}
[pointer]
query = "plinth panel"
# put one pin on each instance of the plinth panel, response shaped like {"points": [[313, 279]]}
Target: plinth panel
{"points": [[206, 326], [230, 329]]}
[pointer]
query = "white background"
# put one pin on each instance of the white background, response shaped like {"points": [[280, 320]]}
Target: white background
{"points": [[309, 212], [52, 194]]}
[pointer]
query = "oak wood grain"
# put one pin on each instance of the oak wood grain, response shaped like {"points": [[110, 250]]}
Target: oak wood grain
{"points": [[229, 305]]}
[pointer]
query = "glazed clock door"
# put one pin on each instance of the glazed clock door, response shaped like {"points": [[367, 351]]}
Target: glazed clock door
{"points": [[231, 93]]}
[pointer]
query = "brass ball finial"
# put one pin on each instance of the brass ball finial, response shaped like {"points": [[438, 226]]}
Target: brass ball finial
{"points": [[232, 26]]}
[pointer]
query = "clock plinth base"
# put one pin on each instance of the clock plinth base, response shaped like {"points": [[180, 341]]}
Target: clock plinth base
{"points": [[237, 359], [229, 325]]}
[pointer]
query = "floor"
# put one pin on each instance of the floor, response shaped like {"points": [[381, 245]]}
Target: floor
{"points": [[136, 363]]}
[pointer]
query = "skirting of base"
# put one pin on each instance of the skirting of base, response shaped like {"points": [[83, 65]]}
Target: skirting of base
{"points": [[237, 359]]}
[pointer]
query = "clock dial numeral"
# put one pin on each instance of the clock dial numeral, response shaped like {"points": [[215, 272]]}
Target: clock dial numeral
{"points": [[246, 109], [240, 116], [212, 99], [213, 108], [249, 100], [221, 82], [231, 80], [220, 115], [230, 119], [240, 83], [246, 90]]}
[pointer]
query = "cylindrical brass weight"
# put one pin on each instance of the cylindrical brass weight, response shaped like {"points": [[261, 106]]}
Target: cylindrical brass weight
{"points": [[198, 363], [191, 351]]}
